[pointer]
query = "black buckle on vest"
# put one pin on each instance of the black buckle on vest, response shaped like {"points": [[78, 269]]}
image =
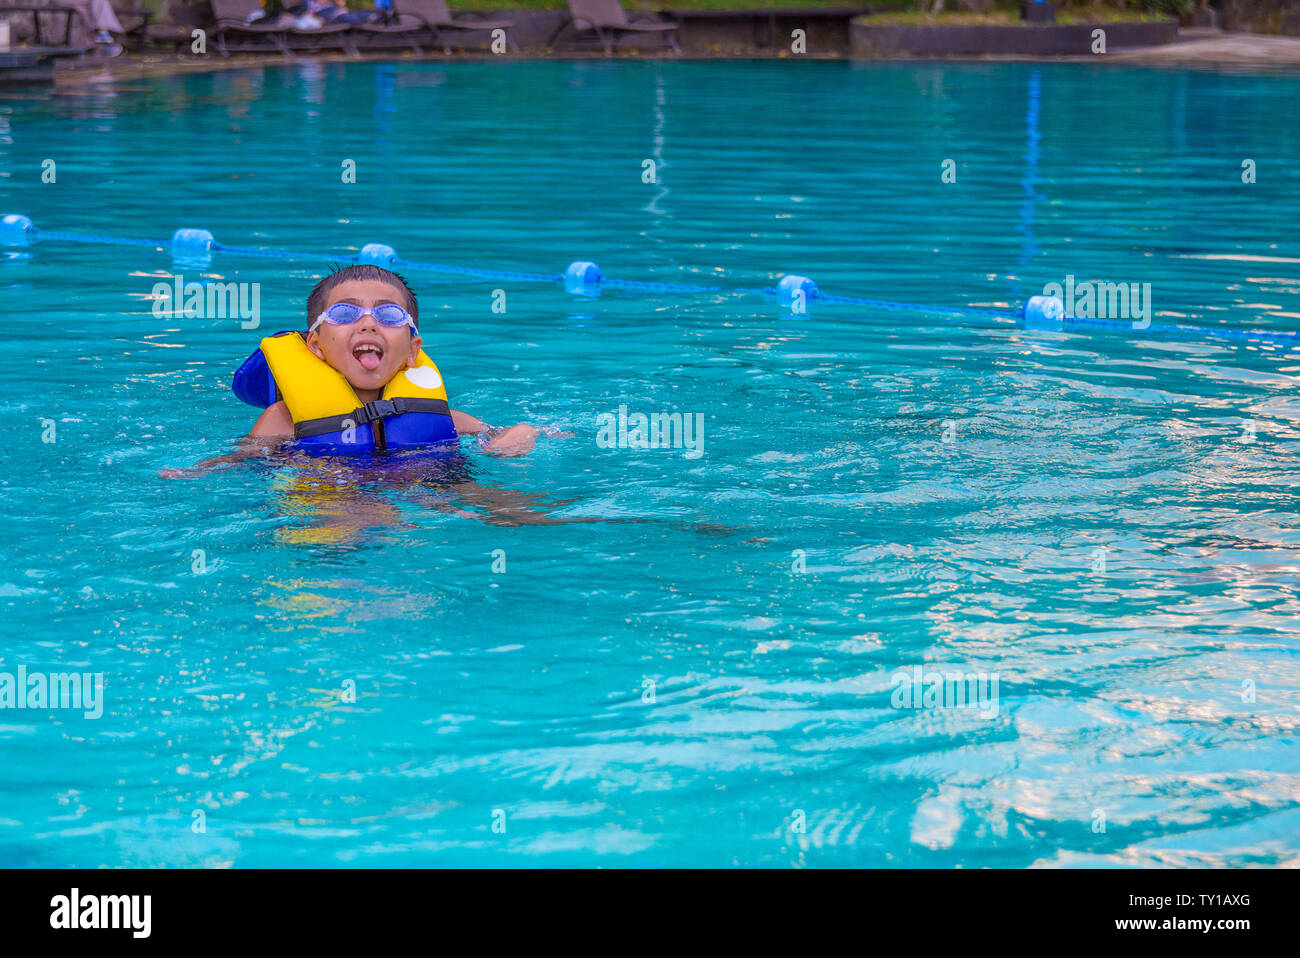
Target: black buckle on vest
{"points": [[379, 409]]}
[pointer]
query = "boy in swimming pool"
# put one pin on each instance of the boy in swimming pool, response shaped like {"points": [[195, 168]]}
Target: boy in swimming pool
{"points": [[363, 322]]}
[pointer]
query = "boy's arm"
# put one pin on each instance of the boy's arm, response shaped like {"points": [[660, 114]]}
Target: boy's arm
{"points": [[272, 427], [466, 424], [274, 421], [514, 441]]}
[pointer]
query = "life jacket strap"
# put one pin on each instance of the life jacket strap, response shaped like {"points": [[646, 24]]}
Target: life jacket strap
{"points": [[373, 411]]}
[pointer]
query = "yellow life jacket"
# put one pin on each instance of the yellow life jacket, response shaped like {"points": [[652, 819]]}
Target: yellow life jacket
{"points": [[328, 416]]}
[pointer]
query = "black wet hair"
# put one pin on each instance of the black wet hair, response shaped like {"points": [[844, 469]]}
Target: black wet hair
{"points": [[319, 296]]}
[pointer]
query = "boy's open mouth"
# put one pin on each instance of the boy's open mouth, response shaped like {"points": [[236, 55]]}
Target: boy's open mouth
{"points": [[369, 355]]}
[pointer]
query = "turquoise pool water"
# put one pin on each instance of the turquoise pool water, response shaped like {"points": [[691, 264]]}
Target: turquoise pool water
{"points": [[1104, 522]]}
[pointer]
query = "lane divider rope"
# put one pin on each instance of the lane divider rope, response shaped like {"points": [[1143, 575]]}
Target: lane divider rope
{"points": [[583, 277]]}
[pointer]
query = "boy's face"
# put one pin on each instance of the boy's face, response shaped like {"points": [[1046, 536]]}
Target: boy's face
{"points": [[366, 353]]}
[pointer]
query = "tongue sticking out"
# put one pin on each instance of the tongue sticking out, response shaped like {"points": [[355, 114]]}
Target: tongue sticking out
{"points": [[369, 359]]}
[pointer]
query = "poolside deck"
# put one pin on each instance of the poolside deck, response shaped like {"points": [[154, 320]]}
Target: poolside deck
{"points": [[33, 64], [1214, 48], [1194, 47]]}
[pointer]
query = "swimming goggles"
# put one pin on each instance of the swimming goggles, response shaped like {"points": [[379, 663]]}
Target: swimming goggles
{"points": [[345, 314]]}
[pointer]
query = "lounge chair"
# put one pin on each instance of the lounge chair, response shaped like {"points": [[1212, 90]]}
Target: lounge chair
{"points": [[403, 29], [607, 19], [175, 29], [439, 19], [232, 17], [323, 37], [51, 24], [135, 21]]}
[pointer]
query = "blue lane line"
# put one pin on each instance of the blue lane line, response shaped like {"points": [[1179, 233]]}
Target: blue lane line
{"points": [[485, 273], [663, 287], [108, 240], [918, 307], [765, 292], [1182, 332], [1118, 326], [262, 253]]}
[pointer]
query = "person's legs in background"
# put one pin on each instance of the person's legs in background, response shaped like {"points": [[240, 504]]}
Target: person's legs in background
{"points": [[105, 29]]}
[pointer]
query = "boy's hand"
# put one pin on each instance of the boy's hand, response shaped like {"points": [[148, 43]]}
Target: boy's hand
{"points": [[515, 441]]}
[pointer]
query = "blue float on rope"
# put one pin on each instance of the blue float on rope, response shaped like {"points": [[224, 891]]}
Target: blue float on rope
{"points": [[192, 249], [792, 290], [192, 239], [16, 230], [1044, 312], [582, 277], [377, 254]]}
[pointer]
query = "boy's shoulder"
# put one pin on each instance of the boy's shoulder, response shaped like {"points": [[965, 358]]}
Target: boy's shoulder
{"points": [[274, 421]]}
